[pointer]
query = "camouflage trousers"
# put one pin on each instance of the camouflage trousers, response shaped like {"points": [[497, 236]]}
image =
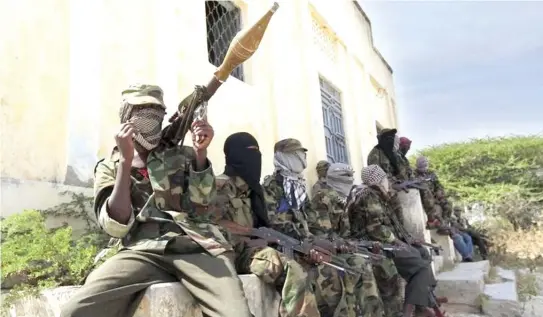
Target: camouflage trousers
{"points": [[352, 295], [288, 276], [390, 287]]}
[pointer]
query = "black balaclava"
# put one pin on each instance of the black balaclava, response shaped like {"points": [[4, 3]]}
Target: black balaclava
{"points": [[386, 143], [246, 163]]}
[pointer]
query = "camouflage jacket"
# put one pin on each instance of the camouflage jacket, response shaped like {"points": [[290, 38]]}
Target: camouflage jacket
{"points": [[320, 184], [370, 216], [434, 195], [329, 208], [169, 204], [233, 201], [298, 224], [378, 157], [434, 185]]}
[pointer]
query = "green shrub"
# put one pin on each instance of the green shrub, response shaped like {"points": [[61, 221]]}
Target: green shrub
{"points": [[34, 257], [503, 174]]}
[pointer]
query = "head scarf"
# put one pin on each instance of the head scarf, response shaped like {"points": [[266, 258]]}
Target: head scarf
{"points": [[322, 168], [373, 175], [405, 144], [147, 120], [246, 162], [389, 143], [340, 178], [290, 165], [422, 164]]}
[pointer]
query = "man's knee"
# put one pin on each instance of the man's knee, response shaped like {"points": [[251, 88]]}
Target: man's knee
{"points": [[268, 264]]}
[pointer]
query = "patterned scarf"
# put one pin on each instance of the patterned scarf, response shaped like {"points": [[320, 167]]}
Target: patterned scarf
{"points": [[147, 120], [422, 164], [340, 178], [291, 166]]}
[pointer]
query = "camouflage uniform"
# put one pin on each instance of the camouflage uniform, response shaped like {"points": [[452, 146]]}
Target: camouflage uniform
{"points": [[331, 222], [322, 167], [298, 299], [435, 194], [168, 238], [372, 218], [334, 293], [378, 157]]}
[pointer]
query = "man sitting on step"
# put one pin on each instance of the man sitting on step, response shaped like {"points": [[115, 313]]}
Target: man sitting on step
{"points": [[154, 194], [371, 215], [240, 206]]}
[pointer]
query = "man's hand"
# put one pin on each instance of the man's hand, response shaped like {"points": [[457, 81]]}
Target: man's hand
{"points": [[314, 257], [125, 142], [376, 247], [202, 134]]}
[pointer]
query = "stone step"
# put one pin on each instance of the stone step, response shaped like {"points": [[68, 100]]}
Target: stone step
{"points": [[160, 300], [463, 286], [500, 297]]}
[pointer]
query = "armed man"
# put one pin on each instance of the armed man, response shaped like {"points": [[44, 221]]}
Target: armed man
{"points": [[240, 202], [289, 211], [330, 206], [422, 171], [322, 169], [370, 216], [161, 216], [332, 223], [385, 155]]}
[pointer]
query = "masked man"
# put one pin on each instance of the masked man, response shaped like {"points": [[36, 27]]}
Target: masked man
{"points": [[134, 190], [333, 223], [370, 216], [322, 168], [422, 170], [386, 155], [290, 212], [240, 199]]}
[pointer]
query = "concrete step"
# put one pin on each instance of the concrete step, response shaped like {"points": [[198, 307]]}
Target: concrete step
{"points": [[160, 300], [463, 286], [500, 297]]}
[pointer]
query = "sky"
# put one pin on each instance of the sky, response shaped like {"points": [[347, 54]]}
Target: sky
{"points": [[462, 69]]}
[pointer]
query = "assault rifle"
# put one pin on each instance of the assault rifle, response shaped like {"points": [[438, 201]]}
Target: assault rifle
{"points": [[349, 247], [326, 254], [418, 183]]}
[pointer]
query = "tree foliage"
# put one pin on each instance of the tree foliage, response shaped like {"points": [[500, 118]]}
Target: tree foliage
{"points": [[503, 174], [487, 170]]}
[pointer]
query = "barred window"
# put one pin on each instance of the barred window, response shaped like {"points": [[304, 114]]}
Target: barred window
{"points": [[334, 133], [223, 22]]}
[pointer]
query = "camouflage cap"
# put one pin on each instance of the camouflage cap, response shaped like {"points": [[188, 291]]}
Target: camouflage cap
{"points": [[141, 94], [288, 145]]}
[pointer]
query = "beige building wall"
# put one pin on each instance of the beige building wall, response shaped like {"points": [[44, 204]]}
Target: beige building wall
{"points": [[64, 63]]}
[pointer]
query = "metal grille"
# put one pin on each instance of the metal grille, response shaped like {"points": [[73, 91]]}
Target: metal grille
{"points": [[223, 22], [334, 133]]}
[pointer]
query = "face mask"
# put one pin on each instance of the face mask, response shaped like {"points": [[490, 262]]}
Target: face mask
{"points": [[148, 125], [340, 178]]}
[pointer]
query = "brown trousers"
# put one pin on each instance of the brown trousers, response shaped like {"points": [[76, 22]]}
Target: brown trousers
{"points": [[115, 288]]}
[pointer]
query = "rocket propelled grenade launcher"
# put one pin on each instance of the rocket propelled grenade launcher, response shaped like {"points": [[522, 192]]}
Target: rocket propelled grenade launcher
{"points": [[194, 106]]}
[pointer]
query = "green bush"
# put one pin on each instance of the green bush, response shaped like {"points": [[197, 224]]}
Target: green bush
{"points": [[503, 174], [486, 170], [34, 257]]}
